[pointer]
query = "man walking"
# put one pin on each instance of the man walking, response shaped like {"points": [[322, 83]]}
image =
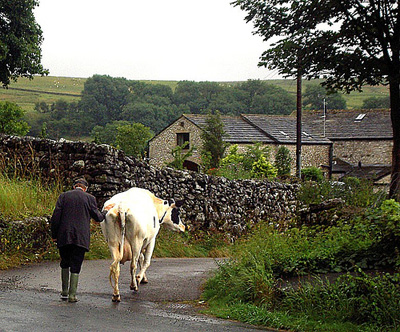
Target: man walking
{"points": [[70, 228]]}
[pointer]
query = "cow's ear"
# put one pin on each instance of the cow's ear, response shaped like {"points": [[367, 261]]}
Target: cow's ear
{"points": [[179, 203]]}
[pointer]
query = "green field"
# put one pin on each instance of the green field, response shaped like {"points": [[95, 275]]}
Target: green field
{"points": [[27, 92]]}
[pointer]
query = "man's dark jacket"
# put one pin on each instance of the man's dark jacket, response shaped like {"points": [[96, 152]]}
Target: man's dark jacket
{"points": [[70, 222]]}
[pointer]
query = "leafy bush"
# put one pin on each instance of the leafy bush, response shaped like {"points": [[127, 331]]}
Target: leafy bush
{"points": [[180, 156], [283, 161], [253, 163], [11, 119], [312, 174], [262, 168], [354, 192], [385, 220]]}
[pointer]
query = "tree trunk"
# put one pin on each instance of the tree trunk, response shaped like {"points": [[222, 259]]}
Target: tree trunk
{"points": [[395, 116]]}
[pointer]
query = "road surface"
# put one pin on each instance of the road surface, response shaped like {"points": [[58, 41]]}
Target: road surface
{"points": [[29, 299]]}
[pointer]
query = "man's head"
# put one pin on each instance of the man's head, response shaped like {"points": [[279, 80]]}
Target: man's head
{"points": [[81, 183]]}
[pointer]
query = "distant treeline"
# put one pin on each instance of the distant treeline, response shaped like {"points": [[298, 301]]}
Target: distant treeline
{"points": [[106, 99]]}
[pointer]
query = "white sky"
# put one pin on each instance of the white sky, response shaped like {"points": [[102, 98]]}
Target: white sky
{"points": [[199, 40]]}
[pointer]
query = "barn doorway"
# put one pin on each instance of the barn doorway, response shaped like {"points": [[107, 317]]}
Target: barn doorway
{"points": [[191, 166]]}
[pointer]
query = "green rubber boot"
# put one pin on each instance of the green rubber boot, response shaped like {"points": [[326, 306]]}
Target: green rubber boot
{"points": [[73, 285], [64, 283]]}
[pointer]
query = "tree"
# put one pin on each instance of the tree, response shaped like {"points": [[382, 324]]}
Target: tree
{"points": [[103, 99], [213, 139], [283, 161], [188, 93], [108, 133], [180, 156], [263, 98], [10, 119], [376, 103], [315, 95], [132, 139], [20, 40], [349, 43]]}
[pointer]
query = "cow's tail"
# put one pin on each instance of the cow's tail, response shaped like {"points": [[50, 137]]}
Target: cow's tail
{"points": [[121, 212], [122, 215]]}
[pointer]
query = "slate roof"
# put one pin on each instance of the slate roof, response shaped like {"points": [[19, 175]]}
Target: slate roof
{"points": [[374, 172], [283, 129], [237, 129], [339, 125], [351, 124], [250, 128]]}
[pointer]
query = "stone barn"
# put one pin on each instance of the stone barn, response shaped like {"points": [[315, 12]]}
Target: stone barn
{"points": [[243, 130]]}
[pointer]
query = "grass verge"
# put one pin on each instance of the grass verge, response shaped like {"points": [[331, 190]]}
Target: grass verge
{"points": [[252, 286]]}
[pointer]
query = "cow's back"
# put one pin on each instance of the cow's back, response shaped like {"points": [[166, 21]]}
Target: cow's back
{"points": [[141, 214]]}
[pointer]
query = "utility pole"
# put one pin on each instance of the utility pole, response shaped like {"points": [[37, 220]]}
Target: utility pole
{"points": [[324, 117], [298, 135]]}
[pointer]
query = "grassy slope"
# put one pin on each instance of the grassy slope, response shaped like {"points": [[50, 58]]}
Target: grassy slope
{"points": [[68, 88], [354, 99]]}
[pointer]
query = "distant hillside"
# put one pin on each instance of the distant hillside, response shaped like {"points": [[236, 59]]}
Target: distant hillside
{"points": [[27, 92]]}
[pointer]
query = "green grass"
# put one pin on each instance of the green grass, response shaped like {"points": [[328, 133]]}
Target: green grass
{"points": [[66, 88], [249, 287], [354, 100], [28, 198]]}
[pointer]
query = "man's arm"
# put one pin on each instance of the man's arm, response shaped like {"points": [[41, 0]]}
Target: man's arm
{"points": [[56, 218], [94, 210]]}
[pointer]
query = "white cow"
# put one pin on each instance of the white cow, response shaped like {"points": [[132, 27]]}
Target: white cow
{"points": [[130, 228]]}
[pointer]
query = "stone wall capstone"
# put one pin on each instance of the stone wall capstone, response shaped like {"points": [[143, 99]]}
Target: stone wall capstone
{"points": [[210, 202]]}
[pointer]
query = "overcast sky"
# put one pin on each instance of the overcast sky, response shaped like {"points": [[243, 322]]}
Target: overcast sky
{"points": [[199, 40]]}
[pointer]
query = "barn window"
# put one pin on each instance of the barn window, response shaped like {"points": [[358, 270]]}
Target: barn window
{"points": [[182, 138]]}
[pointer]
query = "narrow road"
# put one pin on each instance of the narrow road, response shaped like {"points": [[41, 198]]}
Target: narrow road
{"points": [[29, 299]]}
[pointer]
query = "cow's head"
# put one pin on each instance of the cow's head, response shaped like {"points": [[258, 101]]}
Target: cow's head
{"points": [[171, 217]]}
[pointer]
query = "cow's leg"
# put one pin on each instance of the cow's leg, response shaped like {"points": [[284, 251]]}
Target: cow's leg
{"points": [[114, 273], [141, 262], [136, 250], [146, 261], [112, 233]]}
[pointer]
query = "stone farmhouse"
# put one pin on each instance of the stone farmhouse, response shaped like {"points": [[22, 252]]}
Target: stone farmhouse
{"points": [[341, 142], [362, 142]]}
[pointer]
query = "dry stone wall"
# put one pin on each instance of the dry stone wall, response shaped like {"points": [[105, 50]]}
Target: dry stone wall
{"points": [[210, 202]]}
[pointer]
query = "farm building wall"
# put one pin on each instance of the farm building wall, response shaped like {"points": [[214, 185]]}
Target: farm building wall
{"points": [[367, 152]]}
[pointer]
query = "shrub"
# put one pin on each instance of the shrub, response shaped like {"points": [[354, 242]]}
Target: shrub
{"points": [[354, 192], [312, 174], [263, 169], [253, 163], [283, 161], [233, 157], [385, 219], [180, 156]]}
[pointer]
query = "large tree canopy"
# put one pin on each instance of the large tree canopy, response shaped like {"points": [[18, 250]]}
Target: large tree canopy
{"points": [[315, 96], [20, 40], [349, 43]]}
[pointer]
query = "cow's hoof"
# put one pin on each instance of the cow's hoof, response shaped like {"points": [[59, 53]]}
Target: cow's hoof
{"points": [[144, 281], [134, 288], [116, 298]]}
